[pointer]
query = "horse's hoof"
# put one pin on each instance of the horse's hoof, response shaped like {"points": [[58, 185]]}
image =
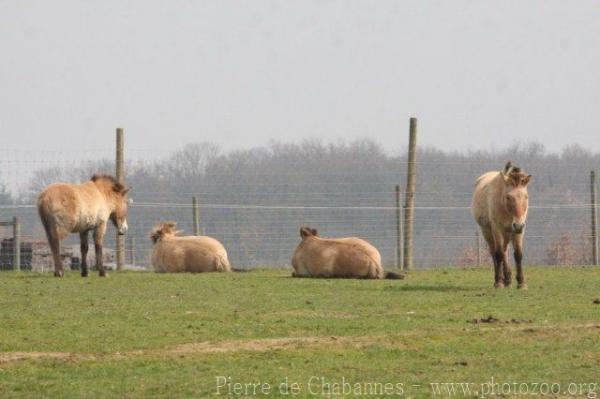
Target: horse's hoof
{"points": [[499, 285], [522, 286], [59, 274]]}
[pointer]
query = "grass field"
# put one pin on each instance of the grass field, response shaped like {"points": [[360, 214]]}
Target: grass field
{"points": [[148, 335]]}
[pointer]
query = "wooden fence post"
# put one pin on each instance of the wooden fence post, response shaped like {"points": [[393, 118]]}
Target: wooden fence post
{"points": [[594, 218], [132, 249], [195, 216], [399, 231], [16, 244], [409, 210], [120, 172]]}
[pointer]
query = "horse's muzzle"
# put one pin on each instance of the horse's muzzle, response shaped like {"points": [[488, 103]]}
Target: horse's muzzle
{"points": [[123, 229], [518, 228]]}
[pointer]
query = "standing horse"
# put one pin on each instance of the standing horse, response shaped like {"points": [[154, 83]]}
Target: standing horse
{"points": [[79, 208], [499, 206]]}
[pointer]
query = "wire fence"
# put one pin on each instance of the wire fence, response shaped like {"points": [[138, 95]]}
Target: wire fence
{"points": [[266, 236], [255, 208]]}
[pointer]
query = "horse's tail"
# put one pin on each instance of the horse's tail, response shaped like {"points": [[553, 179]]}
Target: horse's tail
{"points": [[46, 217], [394, 276], [223, 263]]}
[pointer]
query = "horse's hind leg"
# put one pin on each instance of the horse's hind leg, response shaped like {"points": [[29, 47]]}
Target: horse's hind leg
{"points": [[54, 241], [98, 238], [84, 251]]}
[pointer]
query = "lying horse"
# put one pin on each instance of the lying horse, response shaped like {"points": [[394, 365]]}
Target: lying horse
{"points": [[78, 208], [337, 257], [499, 206], [174, 254]]}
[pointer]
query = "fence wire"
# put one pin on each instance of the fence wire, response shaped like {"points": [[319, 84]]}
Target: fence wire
{"points": [[266, 236], [256, 209]]}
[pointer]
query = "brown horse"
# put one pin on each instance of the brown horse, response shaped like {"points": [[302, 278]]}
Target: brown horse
{"points": [[349, 257], [196, 254], [499, 206], [78, 208]]}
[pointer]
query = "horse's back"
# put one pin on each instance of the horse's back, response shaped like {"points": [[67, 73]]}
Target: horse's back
{"points": [[365, 246], [481, 197], [190, 254], [341, 257]]}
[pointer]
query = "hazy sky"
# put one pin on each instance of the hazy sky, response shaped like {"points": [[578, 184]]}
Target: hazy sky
{"points": [[477, 74]]}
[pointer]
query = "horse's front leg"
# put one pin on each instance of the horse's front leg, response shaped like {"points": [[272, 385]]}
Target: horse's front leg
{"points": [[506, 266], [518, 252], [98, 239], [83, 238], [499, 257]]}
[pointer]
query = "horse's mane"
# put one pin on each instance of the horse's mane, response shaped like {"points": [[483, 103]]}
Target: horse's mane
{"points": [[514, 173], [118, 187], [163, 228]]}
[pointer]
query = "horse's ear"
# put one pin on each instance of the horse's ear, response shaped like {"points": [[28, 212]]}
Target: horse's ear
{"points": [[118, 188], [507, 168], [306, 232], [170, 224], [314, 232], [121, 188], [526, 180]]}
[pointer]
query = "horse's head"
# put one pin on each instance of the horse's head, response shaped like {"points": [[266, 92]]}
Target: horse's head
{"points": [[116, 194], [515, 198], [307, 232], [162, 230]]}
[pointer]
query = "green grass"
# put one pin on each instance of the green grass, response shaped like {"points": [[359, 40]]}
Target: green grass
{"points": [[127, 335]]}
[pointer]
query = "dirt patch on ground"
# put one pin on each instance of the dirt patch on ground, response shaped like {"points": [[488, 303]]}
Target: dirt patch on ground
{"points": [[262, 345], [9, 357], [489, 319], [269, 344], [208, 347]]}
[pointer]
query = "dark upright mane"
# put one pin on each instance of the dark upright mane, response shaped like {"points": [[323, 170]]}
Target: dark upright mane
{"points": [[118, 187], [517, 176]]}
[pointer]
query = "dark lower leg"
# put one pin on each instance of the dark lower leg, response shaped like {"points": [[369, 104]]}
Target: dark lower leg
{"points": [[498, 270], [518, 261], [99, 263], [55, 248], [507, 272], [84, 251]]}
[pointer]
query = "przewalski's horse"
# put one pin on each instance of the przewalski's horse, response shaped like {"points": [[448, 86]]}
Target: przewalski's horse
{"points": [[499, 206], [174, 254], [78, 208], [349, 257]]}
